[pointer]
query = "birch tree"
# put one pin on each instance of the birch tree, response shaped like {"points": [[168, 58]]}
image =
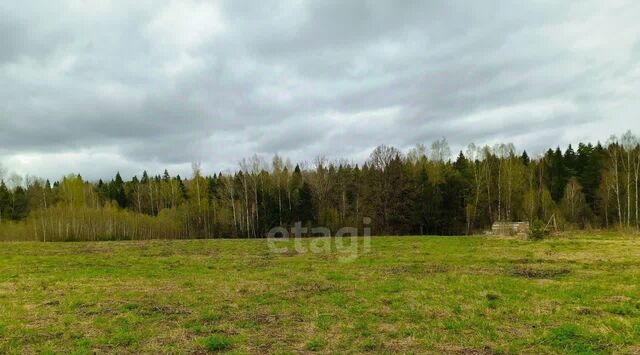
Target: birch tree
{"points": [[629, 143], [244, 169], [474, 154], [574, 201], [278, 167], [614, 157]]}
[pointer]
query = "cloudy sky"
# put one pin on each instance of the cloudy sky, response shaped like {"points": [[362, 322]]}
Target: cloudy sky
{"points": [[96, 86]]}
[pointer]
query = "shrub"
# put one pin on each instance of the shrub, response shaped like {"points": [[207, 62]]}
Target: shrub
{"points": [[537, 231]]}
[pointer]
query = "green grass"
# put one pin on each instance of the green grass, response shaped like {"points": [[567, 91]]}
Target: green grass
{"points": [[578, 294], [217, 343]]}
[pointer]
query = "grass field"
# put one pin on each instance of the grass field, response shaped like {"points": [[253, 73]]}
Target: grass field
{"points": [[469, 295]]}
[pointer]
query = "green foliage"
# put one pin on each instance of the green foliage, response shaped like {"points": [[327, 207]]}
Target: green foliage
{"points": [[537, 231], [590, 187]]}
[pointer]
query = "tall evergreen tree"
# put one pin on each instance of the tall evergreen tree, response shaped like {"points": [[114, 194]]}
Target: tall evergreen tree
{"points": [[5, 202], [116, 191]]}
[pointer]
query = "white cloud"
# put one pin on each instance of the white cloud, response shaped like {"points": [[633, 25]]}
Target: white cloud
{"points": [[153, 84], [184, 25]]}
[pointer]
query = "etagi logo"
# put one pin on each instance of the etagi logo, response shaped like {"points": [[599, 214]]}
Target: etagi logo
{"points": [[348, 242]]}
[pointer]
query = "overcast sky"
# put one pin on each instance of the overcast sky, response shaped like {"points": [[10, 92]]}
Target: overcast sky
{"points": [[96, 86]]}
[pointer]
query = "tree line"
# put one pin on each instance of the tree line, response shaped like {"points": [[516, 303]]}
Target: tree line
{"points": [[422, 191]]}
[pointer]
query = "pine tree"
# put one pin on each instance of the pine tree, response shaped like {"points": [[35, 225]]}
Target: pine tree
{"points": [[5, 202], [19, 204], [116, 191], [524, 158], [306, 208], [557, 174]]}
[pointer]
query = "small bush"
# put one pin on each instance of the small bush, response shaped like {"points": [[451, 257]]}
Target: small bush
{"points": [[537, 231]]}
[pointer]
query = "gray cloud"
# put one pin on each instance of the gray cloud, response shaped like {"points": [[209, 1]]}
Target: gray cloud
{"points": [[98, 87]]}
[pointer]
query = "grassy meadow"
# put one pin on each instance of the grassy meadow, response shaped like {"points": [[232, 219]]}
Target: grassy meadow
{"points": [[467, 295]]}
